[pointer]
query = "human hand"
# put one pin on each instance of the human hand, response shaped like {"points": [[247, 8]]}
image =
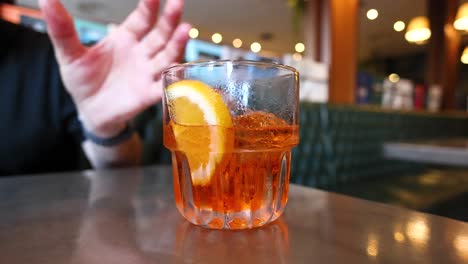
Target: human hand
{"points": [[114, 80]]}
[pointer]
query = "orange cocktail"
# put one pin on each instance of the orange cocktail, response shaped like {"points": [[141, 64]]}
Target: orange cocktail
{"points": [[231, 159]]}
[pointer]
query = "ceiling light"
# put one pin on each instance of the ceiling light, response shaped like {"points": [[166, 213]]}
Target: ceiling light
{"points": [[299, 47], [216, 38], [464, 57], [418, 30], [372, 14], [193, 33], [237, 43], [461, 21], [394, 78], [399, 26], [255, 47]]}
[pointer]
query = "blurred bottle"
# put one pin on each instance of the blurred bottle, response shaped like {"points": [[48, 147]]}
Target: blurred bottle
{"points": [[434, 98], [388, 93], [404, 95], [419, 96], [364, 87]]}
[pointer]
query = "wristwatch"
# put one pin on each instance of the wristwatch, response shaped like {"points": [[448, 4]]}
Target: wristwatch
{"points": [[125, 134]]}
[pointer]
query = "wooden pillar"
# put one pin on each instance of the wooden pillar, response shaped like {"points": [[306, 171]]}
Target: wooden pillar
{"points": [[317, 31], [443, 49], [312, 30], [344, 38]]}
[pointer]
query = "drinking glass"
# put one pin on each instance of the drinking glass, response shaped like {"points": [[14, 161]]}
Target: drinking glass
{"points": [[230, 126]]}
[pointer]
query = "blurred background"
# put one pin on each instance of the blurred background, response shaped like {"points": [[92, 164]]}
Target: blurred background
{"points": [[374, 74], [387, 67]]}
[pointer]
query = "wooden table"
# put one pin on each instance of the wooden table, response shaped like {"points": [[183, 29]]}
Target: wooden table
{"points": [[128, 216], [452, 152]]}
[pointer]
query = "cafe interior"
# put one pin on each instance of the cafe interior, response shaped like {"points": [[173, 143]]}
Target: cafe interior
{"points": [[383, 89]]}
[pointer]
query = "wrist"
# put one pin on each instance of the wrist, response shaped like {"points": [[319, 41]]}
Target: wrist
{"points": [[103, 130], [112, 141], [109, 135]]}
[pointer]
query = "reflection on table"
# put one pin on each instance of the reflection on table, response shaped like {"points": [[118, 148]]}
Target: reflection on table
{"points": [[129, 216]]}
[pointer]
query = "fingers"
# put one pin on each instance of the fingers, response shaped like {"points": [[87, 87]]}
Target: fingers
{"points": [[143, 18], [61, 30], [158, 37], [173, 51]]}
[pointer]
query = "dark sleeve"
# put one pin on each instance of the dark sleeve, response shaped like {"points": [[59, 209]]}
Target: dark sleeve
{"points": [[68, 114], [68, 117], [43, 133]]}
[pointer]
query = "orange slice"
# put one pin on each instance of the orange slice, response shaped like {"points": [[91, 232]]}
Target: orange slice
{"points": [[202, 125]]}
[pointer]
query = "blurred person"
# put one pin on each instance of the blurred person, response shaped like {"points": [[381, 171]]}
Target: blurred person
{"points": [[87, 98]]}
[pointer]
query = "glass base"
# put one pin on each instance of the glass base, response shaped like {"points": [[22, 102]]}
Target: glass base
{"points": [[250, 191], [234, 221]]}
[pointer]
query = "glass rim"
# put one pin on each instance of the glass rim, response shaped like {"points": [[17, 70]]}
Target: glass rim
{"points": [[233, 62]]}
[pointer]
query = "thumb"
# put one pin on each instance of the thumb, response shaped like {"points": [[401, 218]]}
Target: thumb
{"points": [[61, 30]]}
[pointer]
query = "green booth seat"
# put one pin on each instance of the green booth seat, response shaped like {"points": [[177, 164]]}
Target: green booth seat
{"points": [[341, 148]]}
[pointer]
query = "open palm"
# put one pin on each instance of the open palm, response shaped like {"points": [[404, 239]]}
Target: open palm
{"points": [[119, 77]]}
